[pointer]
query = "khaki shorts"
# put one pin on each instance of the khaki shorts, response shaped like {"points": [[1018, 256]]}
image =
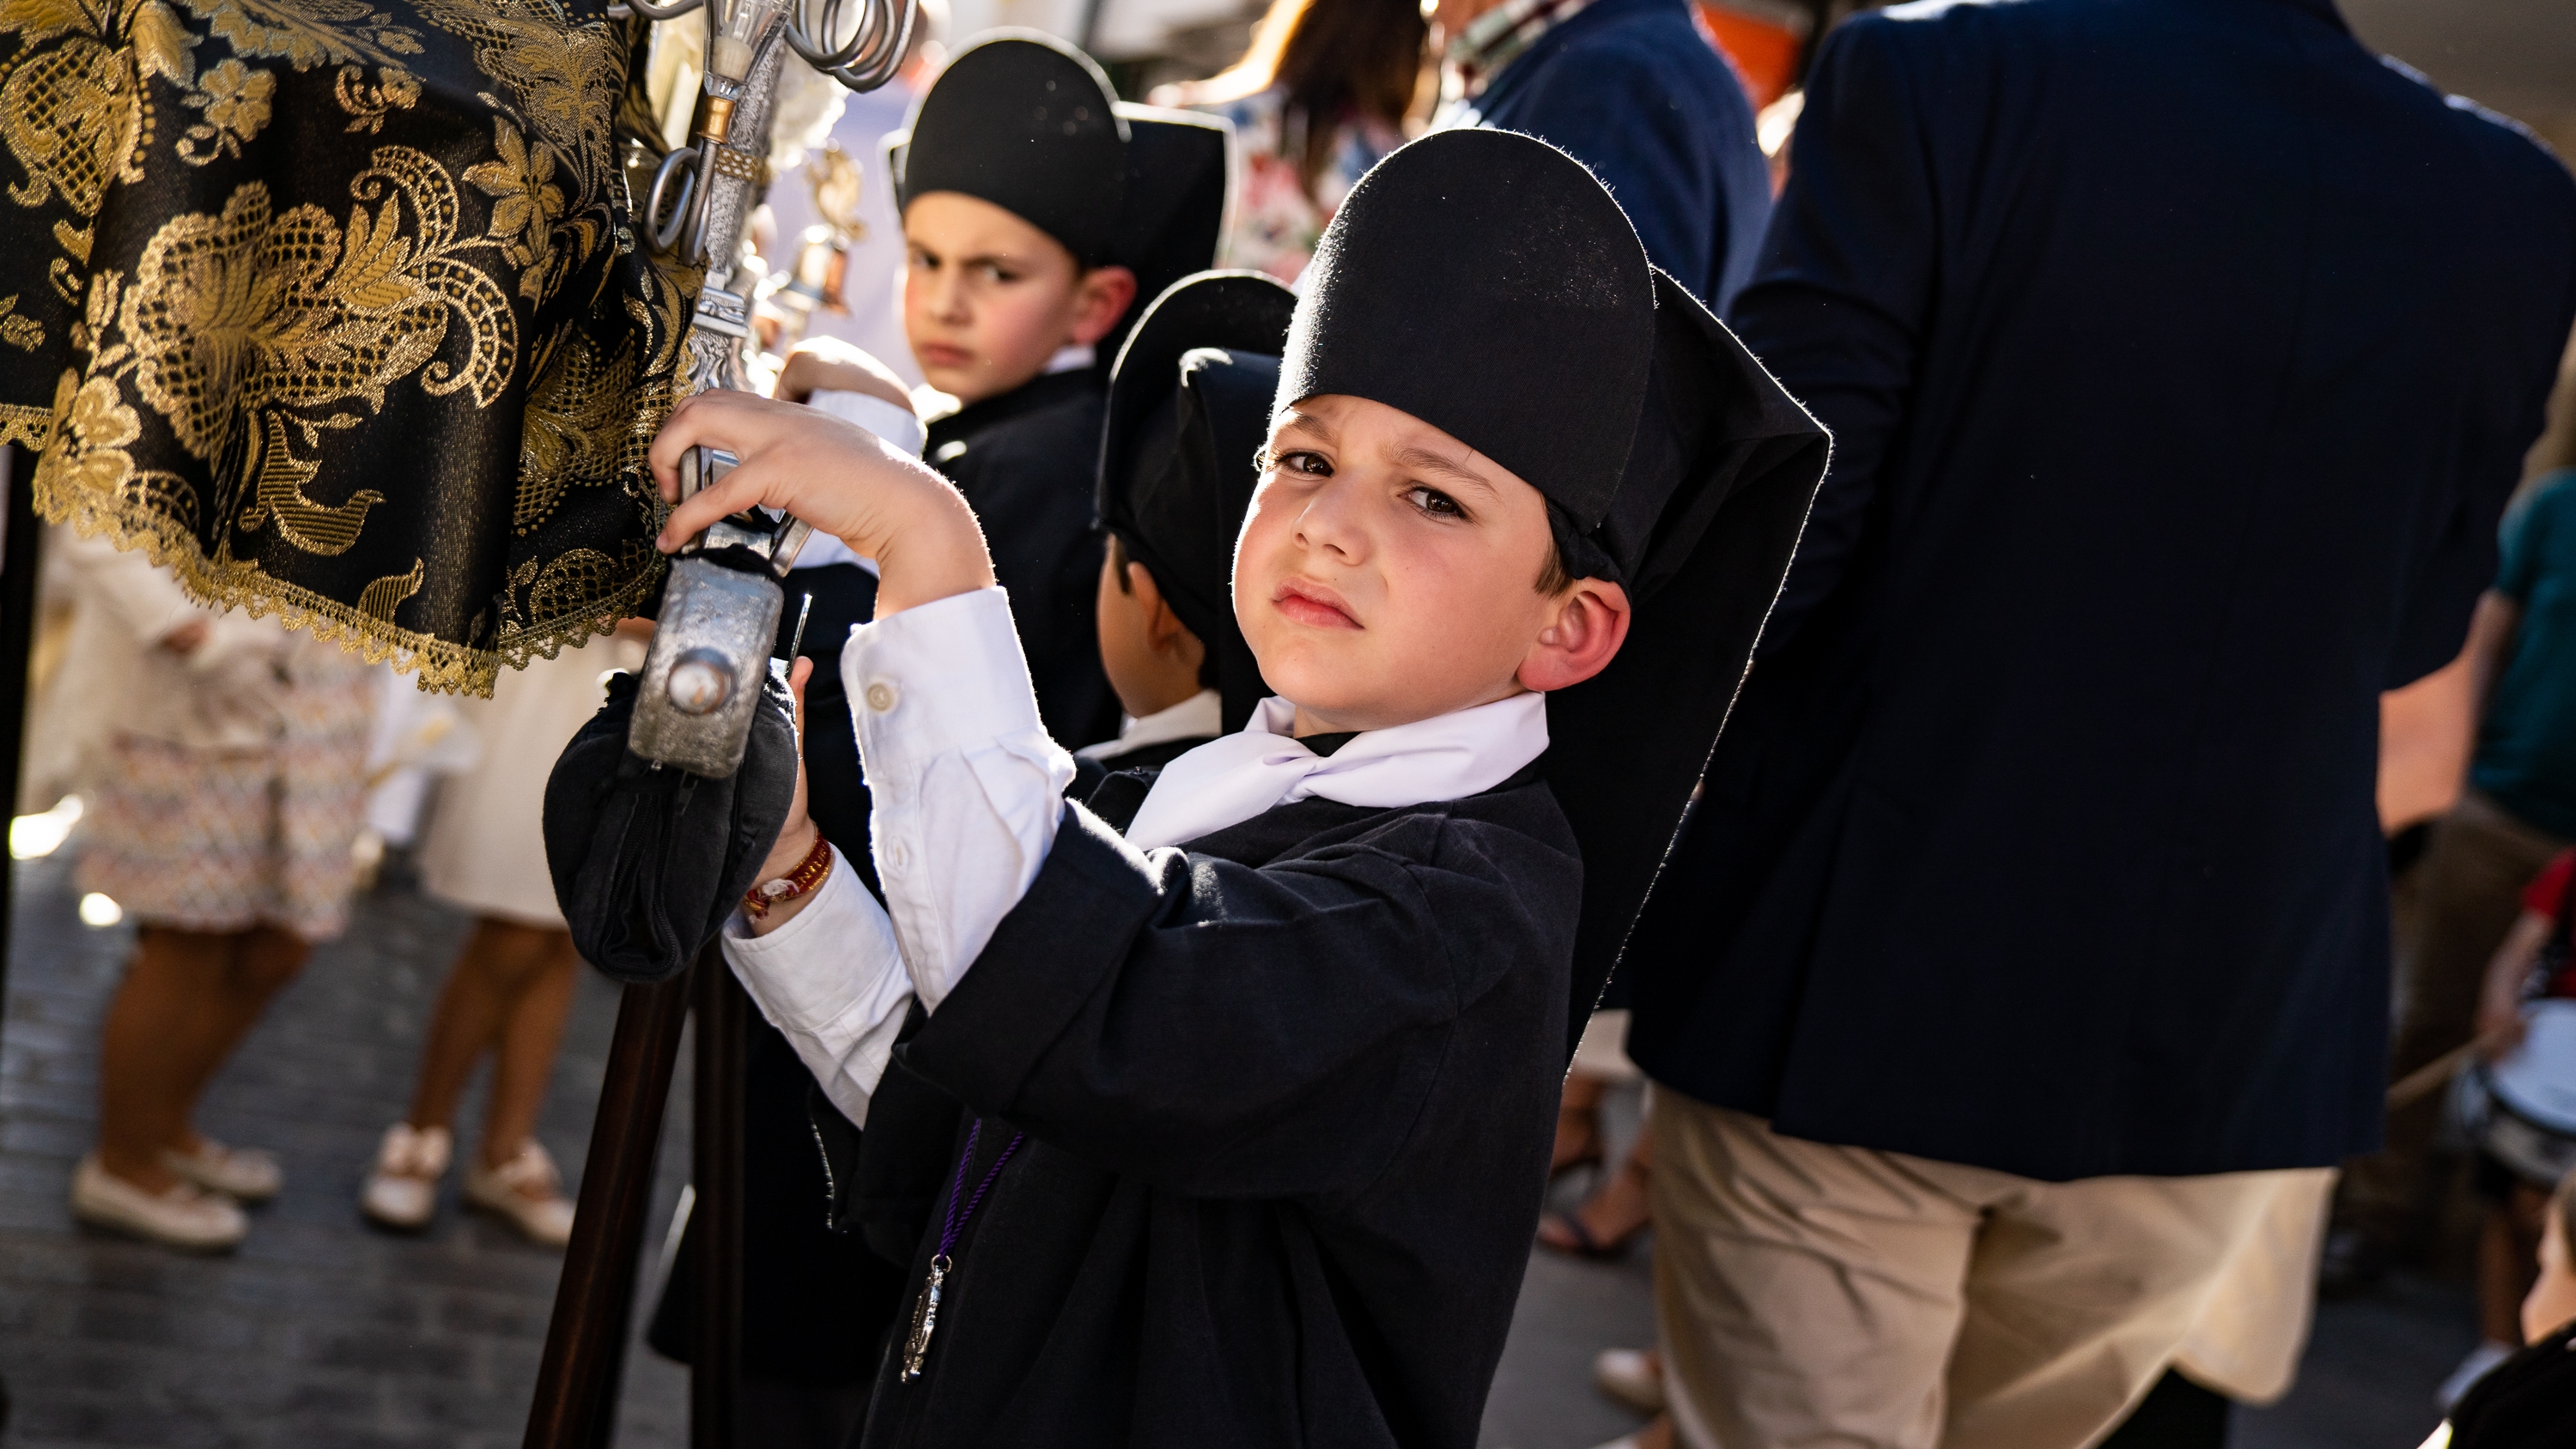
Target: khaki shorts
{"points": [[1813, 1295]]}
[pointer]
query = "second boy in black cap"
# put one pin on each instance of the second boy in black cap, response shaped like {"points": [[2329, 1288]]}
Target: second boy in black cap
{"points": [[1189, 408], [1038, 212]]}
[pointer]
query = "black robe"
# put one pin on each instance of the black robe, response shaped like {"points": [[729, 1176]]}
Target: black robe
{"points": [[1289, 1099], [1025, 461]]}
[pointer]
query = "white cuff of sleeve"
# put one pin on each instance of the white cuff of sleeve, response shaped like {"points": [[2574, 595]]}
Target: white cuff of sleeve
{"points": [[898, 425], [833, 983], [941, 678]]}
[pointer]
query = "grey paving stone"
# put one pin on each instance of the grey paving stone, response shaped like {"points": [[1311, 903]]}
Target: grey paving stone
{"points": [[321, 1333]]}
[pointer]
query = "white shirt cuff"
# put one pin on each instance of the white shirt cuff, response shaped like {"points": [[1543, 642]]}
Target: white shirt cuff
{"points": [[832, 982], [898, 426], [941, 678]]}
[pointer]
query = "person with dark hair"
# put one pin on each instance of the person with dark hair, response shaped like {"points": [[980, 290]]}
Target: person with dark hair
{"points": [[2030, 940], [1318, 99], [1638, 92]]}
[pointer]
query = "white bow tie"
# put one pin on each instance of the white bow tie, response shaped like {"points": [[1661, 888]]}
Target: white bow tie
{"points": [[1230, 779]]}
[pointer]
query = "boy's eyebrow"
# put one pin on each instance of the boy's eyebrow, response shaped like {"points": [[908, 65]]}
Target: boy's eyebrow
{"points": [[1306, 422], [1423, 460]]}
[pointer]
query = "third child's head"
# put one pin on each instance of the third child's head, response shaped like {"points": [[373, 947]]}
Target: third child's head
{"points": [[1011, 183], [1462, 384]]}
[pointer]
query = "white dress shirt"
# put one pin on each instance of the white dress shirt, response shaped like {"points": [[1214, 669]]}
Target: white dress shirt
{"points": [[1199, 716], [968, 788]]}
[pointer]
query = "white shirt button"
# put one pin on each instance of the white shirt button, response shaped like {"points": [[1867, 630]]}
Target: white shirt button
{"points": [[897, 856], [881, 696]]}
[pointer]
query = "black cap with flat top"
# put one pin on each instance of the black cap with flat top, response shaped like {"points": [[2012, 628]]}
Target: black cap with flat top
{"points": [[1189, 409], [1486, 283], [1028, 123]]}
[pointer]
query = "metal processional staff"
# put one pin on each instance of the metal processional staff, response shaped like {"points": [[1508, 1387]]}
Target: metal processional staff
{"points": [[701, 679]]}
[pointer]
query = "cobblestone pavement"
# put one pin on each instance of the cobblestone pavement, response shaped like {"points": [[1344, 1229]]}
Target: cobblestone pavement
{"points": [[323, 1333]]}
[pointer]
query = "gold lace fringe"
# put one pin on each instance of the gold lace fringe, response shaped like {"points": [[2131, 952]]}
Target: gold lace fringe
{"points": [[438, 665]]}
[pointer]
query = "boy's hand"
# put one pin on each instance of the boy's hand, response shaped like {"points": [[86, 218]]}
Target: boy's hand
{"points": [[828, 364], [838, 477]]}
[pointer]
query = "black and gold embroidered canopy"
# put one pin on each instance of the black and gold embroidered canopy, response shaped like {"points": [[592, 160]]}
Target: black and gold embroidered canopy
{"points": [[335, 307]]}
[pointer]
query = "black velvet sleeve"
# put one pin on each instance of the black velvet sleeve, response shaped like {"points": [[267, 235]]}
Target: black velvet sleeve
{"points": [[1224, 1030]]}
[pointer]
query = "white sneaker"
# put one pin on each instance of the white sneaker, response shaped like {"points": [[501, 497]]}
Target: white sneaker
{"points": [[187, 1216], [2485, 1356], [1634, 1377], [528, 1191], [244, 1174], [402, 1190]]}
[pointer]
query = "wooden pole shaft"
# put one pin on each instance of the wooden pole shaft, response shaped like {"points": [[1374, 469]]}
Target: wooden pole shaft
{"points": [[715, 1359], [576, 1400]]}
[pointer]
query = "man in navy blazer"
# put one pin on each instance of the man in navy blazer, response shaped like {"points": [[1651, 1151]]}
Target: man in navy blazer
{"points": [[1634, 90], [2027, 959]]}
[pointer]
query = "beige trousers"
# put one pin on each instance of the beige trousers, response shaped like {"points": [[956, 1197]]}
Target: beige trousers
{"points": [[1811, 1295]]}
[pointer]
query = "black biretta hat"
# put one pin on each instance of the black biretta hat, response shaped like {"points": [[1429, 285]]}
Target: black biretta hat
{"points": [[1718, 481], [1485, 283], [1189, 408], [1028, 123], [1173, 214]]}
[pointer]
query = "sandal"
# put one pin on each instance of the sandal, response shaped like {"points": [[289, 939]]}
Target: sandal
{"points": [[526, 1191], [402, 1188]]}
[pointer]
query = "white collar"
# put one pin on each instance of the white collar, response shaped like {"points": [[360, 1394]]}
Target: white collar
{"points": [[1071, 357], [1446, 757], [1201, 714]]}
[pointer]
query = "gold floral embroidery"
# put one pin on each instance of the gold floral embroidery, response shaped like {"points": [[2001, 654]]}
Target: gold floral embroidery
{"points": [[257, 353], [379, 599], [24, 333], [89, 453], [235, 99]]}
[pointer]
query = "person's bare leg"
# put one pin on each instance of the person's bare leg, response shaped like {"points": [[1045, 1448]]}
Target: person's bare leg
{"points": [[1614, 1212], [530, 1031], [2508, 1261], [264, 961], [156, 1029], [187, 1000], [1578, 1121], [473, 1008]]}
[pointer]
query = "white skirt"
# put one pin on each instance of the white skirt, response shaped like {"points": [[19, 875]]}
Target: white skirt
{"points": [[486, 848]]}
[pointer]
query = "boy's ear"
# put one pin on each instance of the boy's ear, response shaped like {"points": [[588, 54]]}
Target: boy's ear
{"points": [[1580, 641], [1101, 296]]}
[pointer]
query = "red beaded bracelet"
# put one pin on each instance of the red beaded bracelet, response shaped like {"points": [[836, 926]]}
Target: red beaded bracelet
{"points": [[808, 874]]}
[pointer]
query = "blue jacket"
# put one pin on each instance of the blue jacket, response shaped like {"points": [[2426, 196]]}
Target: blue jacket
{"points": [[1632, 89], [2180, 356]]}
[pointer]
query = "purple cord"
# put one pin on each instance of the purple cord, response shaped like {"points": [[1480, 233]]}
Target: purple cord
{"points": [[957, 1221]]}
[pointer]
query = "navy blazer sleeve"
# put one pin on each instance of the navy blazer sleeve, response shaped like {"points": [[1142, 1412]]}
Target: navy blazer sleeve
{"points": [[1622, 116], [1838, 305]]}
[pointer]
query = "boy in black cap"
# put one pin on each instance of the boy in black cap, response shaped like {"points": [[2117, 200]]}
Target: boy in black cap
{"points": [[1259, 1126], [1037, 212], [1189, 408]]}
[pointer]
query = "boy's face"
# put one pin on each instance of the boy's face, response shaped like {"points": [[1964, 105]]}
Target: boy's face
{"points": [[1387, 572], [988, 298]]}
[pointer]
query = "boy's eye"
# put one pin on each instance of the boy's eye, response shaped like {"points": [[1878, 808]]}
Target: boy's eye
{"points": [[1313, 465], [994, 272], [1434, 502]]}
